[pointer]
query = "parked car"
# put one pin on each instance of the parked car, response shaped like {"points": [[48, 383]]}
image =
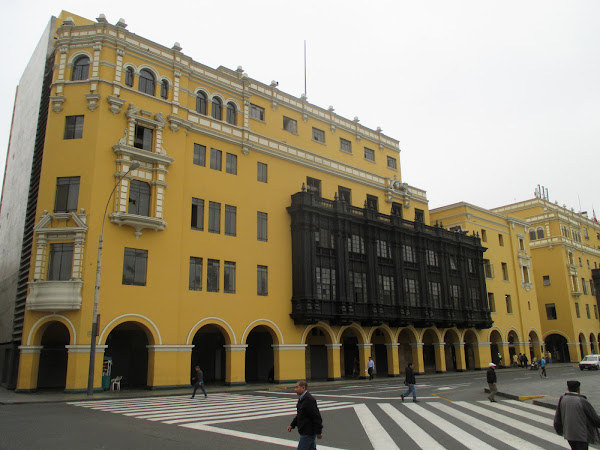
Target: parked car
{"points": [[590, 362]]}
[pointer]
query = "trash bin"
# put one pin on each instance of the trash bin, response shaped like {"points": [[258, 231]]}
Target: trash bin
{"points": [[106, 371], [105, 382]]}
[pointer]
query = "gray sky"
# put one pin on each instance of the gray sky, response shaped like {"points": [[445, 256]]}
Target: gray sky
{"points": [[487, 98]]}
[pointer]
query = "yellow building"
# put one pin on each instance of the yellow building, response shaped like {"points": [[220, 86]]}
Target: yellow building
{"points": [[508, 271], [565, 249], [243, 229]]}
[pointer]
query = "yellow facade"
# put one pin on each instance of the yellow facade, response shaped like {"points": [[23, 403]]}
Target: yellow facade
{"points": [[157, 327]]}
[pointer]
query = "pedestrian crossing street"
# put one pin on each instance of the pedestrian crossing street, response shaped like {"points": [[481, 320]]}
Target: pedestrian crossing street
{"points": [[391, 424]]}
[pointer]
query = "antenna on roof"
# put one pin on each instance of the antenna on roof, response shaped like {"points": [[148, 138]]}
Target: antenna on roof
{"points": [[305, 68]]}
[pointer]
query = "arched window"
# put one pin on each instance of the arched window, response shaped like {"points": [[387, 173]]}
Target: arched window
{"points": [[532, 235], [129, 77], [540, 233], [139, 198], [146, 82], [81, 68], [231, 113], [164, 89], [201, 103], [217, 107]]}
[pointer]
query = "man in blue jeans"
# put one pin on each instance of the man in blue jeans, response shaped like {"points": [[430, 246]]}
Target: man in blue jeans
{"points": [[410, 381], [308, 418], [198, 382]]}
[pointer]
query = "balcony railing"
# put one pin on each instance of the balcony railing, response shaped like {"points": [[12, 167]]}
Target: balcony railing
{"points": [[54, 296]]}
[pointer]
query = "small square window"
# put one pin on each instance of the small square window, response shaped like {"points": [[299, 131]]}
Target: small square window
{"points": [[197, 214], [256, 112], [546, 279], [345, 145], [212, 275], [290, 125], [369, 154], [261, 226], [551, 311], [73, 127], [318, 135], [491, 302], [372, 202], [391, 163], [135, 262], [345, 194], [483, 236], [143, 138], [230, 220], [229, 277], [262, 284], [214, 217], [501, 240], [313, 186], [231, 164], [195, 283], [60, 263], [67, 194], [261, 172]]}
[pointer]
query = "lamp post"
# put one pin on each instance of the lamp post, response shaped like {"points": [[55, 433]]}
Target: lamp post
{"points": [[90, 388]]}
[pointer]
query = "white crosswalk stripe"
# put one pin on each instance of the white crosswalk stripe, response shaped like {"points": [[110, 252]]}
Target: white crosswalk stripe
{"points": [[386, 425]]}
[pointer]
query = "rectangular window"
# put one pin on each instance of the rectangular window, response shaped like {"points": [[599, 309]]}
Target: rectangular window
{"points": [[199, 155], [408, 253], [546, 280], [391, 163], [521, 244], [525, 270], [61, 262], [455, 296], [358, 283], [411, 291], [419, 215], [596, 311], [216, 159], [435, 290], [325, 283], [73, 127], [369, 154], [261, 172], [587, 311], [290, 125], [550, 311], [313, 186], [577, 312], [195, 274], [386, 289], [230, 220], [483, 236], [372, 202], [592, 288], [345, 145], [262, 280], [509, 309], [231, 164], [488, 269], [345, 195], [491, 302], [256, 112], [318, 135], [504, 271], [383, 249], [212, 275], [229, 277], [135, 262], [197, 214], [214, 217], [453, 263], [143, 138], [584, 285], [501, 240], [261, 226], [67, 194], [356, 244], [139, 198], [432, 258]]}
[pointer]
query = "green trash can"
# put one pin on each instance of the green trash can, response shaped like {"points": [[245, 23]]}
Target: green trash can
{"points": [[106, 371]]}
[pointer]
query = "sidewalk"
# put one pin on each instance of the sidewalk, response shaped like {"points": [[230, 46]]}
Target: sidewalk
{"points": [[531, 385]]}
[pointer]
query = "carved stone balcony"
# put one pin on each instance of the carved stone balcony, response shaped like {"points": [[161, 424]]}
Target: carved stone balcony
{"points": [[54, 296], [138, 223]]}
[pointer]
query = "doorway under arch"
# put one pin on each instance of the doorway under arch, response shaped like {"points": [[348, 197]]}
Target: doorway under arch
{"points": [[52, 372], [259, 355], [127, 346], [556, 344], [209, 353]]}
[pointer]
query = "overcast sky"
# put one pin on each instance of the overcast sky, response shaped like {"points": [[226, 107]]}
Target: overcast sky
{"points": [[487, 98]]}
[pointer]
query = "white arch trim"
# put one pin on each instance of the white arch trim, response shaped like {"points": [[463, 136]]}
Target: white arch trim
{"points": [[559, 332], [108, 325], [220, 97], [250, 326], [237, 106], [410, 329], [210, 319], [150, 69], [47, 318], [324, 325], [357, 327], [519, 338], [532, 330], [76, 55]]}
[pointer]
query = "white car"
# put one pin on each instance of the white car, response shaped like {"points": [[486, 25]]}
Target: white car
{"points": [[590, 362]]}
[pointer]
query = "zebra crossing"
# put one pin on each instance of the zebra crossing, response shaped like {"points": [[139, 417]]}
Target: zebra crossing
{"points": [[391, 424]]}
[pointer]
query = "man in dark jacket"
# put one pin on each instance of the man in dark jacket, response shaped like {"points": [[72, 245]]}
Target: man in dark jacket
{"points": [[308, 418], [575, 418], [410, 381], [491, 380]]}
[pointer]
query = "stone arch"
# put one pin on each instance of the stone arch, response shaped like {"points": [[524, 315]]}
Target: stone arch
{"points": [[150, 69], [238, 108], [380, 338], [452, 347], [431, 340], [259, 338], [512, 337], [593, 344], [408, 340], [472, 355], [351, 337], [495, 339], [360, 332], [210, 338], [317, 338], [218, 322], [535, 346], [75, 56], [34, 336], [556, 344], [53, 361], [151, 330], [583, 344]]}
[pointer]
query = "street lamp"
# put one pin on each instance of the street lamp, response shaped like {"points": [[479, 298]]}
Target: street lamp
{"points": [[90, 389]]}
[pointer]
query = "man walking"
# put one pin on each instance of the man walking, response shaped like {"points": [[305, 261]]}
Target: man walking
{"points": [[198, 380], [575, 418], [370, 367], [308, 418], [543, 366], [491, 380], [410, 381]]}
